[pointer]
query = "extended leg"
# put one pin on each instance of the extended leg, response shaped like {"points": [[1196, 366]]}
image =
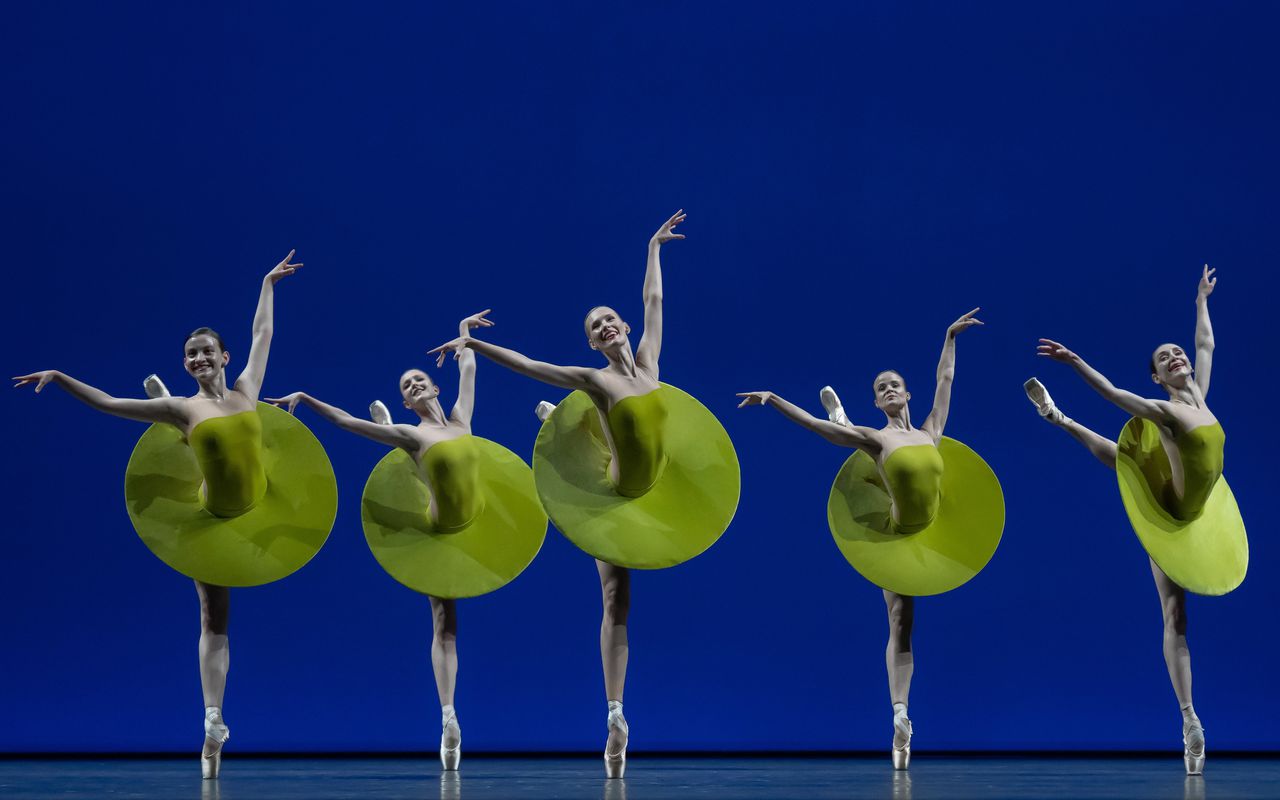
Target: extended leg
{"points": [[444, 662], [900, 664], [1102, 448], [615, 585], [215, 661]]}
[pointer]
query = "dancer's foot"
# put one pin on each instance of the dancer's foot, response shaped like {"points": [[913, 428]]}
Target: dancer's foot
{"points": [[1193, 745], [378, 413], [215, 734], [901, 737], [831, 402], [1039, 395], [615, 748], [543, 410], [450, 739], [154, 387]]}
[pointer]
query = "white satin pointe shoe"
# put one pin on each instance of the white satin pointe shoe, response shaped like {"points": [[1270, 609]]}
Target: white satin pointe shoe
{"points": [[216, 733], [901, 740], [450, 740], [831, 402], [1039, 395], [615, 748], [543, 410], [378, 413], [1193, 746], [154, 387]]}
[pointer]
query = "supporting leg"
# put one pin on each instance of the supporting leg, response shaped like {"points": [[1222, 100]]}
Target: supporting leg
{"points": [[444, 662], [1177, 657], [615, 585], [900, 664], [215, 661]]}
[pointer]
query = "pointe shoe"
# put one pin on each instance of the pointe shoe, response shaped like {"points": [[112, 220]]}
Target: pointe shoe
{"points": [[543, 410], [1193, 747], [215, 731], [154, 387], [1039, 395], [831, 402], [378, 413], [450, 742], [901, 741], [615, 763]]}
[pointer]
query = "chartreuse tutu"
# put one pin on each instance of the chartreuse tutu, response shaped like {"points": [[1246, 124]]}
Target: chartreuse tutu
{"points": [[488, 528], [679, 479], [247, 500], [950, 517], [1199, 541]]}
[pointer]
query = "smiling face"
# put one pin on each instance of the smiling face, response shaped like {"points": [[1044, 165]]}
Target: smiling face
{"points": [[605, 329], [204, 358], [417, 388], [891, 392], [1170, 366]]}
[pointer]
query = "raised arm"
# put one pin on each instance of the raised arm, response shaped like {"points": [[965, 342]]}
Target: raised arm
{"points": [[564, 377], [170, 410], [1204, 330], [651, 341], [1130, 402], [255, 368], [856, 436], [390, 435], [937, 419], [466, 401]]}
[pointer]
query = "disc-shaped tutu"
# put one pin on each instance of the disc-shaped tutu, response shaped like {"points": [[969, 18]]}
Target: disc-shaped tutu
{"points": [[682, 514], [486, 554], [953, 548], [1206, 555], [276, 537]]}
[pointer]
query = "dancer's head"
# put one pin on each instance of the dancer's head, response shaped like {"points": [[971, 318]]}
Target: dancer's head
{"points": [[1170, 367], [417, 389], [891, 392], [204, 355], [605, 329]]}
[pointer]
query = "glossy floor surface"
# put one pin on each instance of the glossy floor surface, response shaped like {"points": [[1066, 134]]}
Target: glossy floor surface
{"points": [[647, 777]]}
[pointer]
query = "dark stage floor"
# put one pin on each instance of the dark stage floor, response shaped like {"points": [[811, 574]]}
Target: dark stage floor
{"points": [[647, 777]]}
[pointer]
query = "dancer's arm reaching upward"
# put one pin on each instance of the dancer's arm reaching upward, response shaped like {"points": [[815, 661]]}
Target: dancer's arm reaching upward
{"points": [[255, 368], [466, 401], [564, 377], [170, 410], [1153, 410], [651, 340], [937, 419], [855, 436], [390, 435], [1204, 330]]}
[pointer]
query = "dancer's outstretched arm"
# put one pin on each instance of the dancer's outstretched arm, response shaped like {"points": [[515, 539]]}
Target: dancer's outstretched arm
{"points": [[564, 377], [1138, 406], [390, 435], [651, 340], [170, 410], [466, 401], [937, 419], [255, 368], [1204, 330], [856, 436]]}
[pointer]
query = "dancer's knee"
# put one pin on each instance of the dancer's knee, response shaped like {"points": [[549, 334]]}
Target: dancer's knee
{"points": [[1175, 615]]}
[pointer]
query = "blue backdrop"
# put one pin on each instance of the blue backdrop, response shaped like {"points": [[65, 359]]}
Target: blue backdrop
{"points": [[856, 177]]}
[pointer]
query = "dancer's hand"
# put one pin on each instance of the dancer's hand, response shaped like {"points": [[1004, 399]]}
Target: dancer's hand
{"points": [[754, 398], [667, 232], [1058, 352], [476, 321], [1207, 282], [282, 269], [289, 402], [964, 323], [38, 378], [456, 347]]}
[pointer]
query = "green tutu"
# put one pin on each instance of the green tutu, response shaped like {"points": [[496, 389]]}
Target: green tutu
{"points": [[682, 514], [951, 549], [272, 539]]}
